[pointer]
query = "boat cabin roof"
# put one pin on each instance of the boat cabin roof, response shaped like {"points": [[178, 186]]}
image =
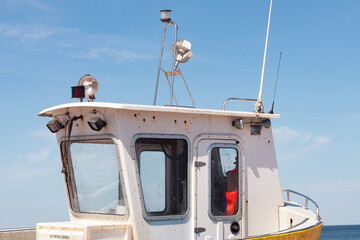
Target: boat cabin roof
{"points": [[60, 109]]}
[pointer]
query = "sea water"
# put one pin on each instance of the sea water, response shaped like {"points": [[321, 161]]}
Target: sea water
{"points": [[346, 232]]}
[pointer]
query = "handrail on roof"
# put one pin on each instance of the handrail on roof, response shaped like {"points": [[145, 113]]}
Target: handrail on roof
{"points": [[307, 199], [237, 99]]}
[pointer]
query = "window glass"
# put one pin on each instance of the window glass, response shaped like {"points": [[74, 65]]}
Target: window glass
{"points": [[152, 174], [224, 181], [163, 175], [95, 186]]}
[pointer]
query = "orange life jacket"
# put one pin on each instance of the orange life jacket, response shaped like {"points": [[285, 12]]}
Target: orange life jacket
{"points": [[231, 197], [231, 202]]}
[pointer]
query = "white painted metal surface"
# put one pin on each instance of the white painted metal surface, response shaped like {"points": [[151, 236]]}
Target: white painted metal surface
{"points": [[259, 183], [83, 230], [50, 112]]}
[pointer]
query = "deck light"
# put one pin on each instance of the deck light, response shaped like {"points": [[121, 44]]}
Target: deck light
{"points": [[54, 125], [96, 123], [165, 16], [90, 85], [183, 51]]}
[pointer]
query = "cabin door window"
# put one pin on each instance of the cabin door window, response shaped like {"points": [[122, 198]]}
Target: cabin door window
{"points": [[163, 173], [224, 181]]}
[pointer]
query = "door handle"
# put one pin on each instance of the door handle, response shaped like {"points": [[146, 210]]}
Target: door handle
{"points": [[199, 229]]}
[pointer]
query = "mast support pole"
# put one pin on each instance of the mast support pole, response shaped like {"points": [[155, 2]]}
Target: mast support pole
{"points": [[173, 62]]}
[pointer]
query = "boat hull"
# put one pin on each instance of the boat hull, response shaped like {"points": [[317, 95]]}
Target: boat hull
{"points": [[312, 233]]}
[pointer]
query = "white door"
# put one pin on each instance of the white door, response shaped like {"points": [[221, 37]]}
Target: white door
{"points": [[219, 189]]}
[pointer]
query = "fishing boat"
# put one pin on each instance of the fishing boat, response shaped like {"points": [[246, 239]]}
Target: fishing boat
{"points": [[172, 172]]}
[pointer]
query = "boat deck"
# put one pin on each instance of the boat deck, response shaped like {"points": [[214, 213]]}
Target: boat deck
{"points": [[18, 234]]}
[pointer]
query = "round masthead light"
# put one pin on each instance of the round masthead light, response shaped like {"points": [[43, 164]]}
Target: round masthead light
{"points": [[165, 16], [91, 86]]}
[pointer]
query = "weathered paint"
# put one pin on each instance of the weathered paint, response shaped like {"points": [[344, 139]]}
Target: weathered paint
{"points": [[83, 231], [18, 234], [261, 190]]}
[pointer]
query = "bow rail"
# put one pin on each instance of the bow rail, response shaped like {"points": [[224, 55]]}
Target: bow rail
{"points": [[307, 199]]}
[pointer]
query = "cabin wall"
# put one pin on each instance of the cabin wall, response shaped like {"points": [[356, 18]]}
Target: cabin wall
{"points": [[262, 184], [262, 187]]}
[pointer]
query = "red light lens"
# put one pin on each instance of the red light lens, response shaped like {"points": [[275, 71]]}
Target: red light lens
{"points": [[78, 92]]}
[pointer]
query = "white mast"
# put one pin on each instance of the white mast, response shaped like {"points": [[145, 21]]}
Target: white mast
{"points": [[259, 106]]}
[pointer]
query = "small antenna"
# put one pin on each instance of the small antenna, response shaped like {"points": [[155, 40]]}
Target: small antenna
{"points": [[258, 105], [277, 76]]}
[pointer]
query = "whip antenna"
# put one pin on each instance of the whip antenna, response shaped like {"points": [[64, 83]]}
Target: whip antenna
{"points": [[277, 76], [259, 106]]}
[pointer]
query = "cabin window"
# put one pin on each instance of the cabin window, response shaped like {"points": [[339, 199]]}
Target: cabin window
{"points": [[224, 181], [162, 164], [93, 176], [152, 172]]}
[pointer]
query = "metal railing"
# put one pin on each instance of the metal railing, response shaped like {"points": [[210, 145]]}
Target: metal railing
{"points": [[307, 199], [237, 99], [17, 229]]}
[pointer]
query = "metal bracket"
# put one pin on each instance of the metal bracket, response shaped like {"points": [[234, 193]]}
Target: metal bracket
{"points": [[200, 164], [240, 123], [255, 129], [199, 229], [176, 73]]}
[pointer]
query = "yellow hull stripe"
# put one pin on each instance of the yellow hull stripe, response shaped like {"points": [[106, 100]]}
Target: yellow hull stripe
{"points": [[308, 234]]}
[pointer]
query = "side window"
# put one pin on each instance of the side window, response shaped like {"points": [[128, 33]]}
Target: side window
{"points": [[152, 173], [163, 171], [224, 181]]}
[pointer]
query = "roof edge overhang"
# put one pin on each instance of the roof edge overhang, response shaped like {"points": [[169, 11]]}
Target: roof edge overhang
{"points": [[61, 109]]}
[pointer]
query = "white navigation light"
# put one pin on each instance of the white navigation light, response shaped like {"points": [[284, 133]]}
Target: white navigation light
{"points": [[183, 51], [165, 16], [91, 86]]}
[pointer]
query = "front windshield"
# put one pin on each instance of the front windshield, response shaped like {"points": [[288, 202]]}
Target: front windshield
{"points": [[93, 177]]}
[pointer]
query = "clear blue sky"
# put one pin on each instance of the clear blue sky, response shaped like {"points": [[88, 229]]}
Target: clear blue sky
{"points": [[46, 46]]}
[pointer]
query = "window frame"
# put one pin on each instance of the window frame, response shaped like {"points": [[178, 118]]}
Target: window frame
{"points": [[141, 197], [93, 215], [238, 215]]}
